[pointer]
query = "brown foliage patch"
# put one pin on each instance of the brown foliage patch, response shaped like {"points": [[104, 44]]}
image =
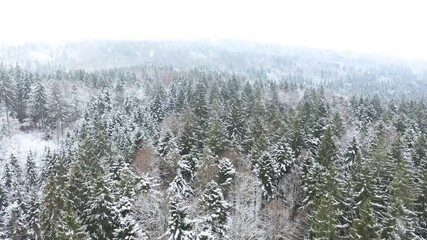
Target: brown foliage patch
{"points": [[143, 160]]}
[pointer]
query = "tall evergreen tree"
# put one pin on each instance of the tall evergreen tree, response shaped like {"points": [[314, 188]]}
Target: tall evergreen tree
{"points": [[216, 211], [39, 110], [7, 96], [179, 226], [216, 138]]}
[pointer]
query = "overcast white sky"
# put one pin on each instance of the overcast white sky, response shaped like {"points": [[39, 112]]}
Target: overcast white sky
{"points": [[367, 26]]}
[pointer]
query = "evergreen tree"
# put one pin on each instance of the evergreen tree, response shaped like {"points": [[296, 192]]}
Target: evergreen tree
{"points": [[399, 222], [39, 110], [283, 154], [7, 96], [363, 227], [235, 120], [22, 94], [179, 187], [156, 108], [187, 139], [324, 219], [179, 227], [200, 110], [216, 138], [99, 216], [58, 108], [266, 171], [381, 168], [31, 172], [216, 211], [338, 125], [16, 226], [226, 174]]}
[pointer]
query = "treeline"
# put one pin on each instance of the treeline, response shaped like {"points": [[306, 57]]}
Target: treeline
{"points": [[201, 154]]}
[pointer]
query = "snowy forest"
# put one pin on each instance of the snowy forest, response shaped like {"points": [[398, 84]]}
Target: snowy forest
{"points": [[221, 140]]}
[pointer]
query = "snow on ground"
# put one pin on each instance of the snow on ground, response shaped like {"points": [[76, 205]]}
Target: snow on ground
{"points": [[20, 143]]}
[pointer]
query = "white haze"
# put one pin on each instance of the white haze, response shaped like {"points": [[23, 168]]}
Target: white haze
{"points": [[380, 27]]}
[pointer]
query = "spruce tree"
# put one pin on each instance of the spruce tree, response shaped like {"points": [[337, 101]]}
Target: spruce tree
{"points": [[7, 96], [99, 214], [216, 211], [39, 109], [324, 219], [363, 227], [399, 222], [216, 138], [179, 226], [267, 173], [226, 173], [283, 154]]}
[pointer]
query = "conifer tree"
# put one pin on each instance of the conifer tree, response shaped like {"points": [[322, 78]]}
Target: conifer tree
{"points": [[179, 226], [324, 219], [99, 214], [7, 97], [399, 222], [58, 108], [22, 94], [31, 172], [187, 139], [156, 108], [363, 227], [216, 138], [267, 172], [216, 211], [381, 168], [39, 109], [179, 187], [226, 173], [283, 154], [235, 120]]}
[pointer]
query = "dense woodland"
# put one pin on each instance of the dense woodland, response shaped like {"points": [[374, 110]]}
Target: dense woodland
{"points": [[223, 149]]}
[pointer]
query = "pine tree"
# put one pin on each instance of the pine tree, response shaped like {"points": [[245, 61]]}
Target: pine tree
{"points": [[216, 138], [169, 156], [31, 172], [99, 215], [201, 113], [54, 201], [226, 173], [179, 226], [338, 124], [7, 96], [381, 168], [363, 227], [179, 187], [33, 215], [421, 204], [123, 183], [17, 226], [267, 173], [235, 120], [187, 167], [216, 211], [187, 139], [258, 143], [21, 95], [324, 219], [283, 154], [399, 222], [360, 215], [39, 110], [58, 109], [156, 108]]}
